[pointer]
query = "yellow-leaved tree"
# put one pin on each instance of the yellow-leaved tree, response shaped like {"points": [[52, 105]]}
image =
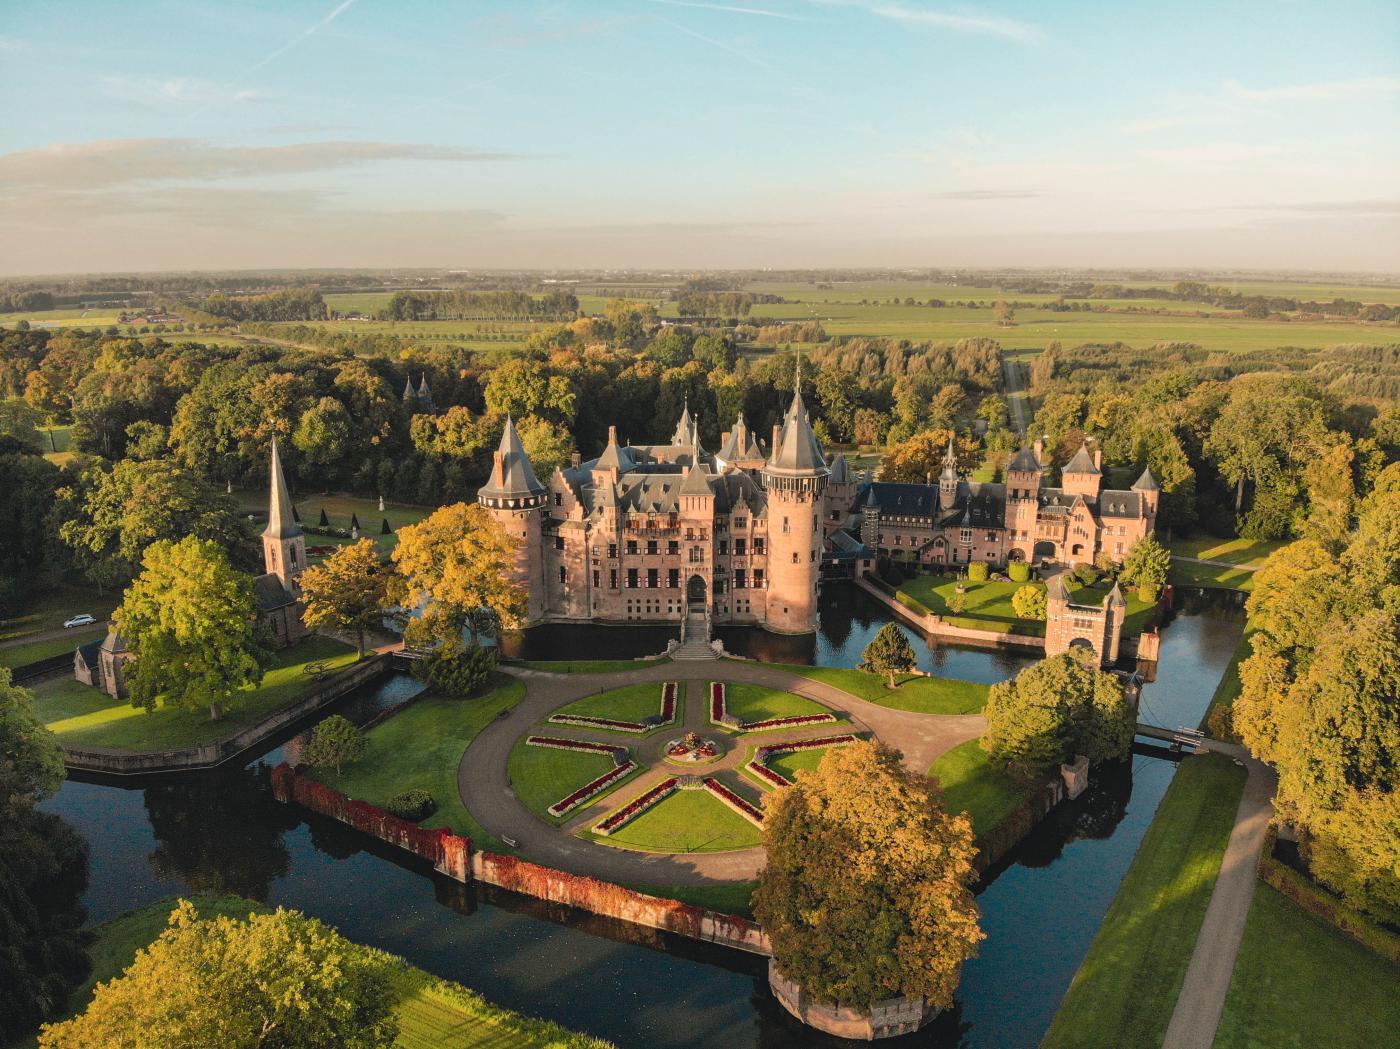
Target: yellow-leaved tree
{"points": [[347, 591]]}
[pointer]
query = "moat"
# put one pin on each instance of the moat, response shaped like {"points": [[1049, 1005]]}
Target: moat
{"points": [[1041, 908]]}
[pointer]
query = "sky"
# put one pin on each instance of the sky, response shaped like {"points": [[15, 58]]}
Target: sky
{"points": [[681, 134]]}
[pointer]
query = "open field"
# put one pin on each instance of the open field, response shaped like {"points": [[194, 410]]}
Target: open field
{"points": [[432, 1013], [1126, 988], [1297, 977], [1252, 552], [756, 703], [924, 695], [972, 784], [49, 606], [420, 747], [83, 716]]}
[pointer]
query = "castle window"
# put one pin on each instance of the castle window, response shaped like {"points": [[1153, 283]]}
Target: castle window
{"points": [[631, 546], [794, 557], [899, 540], [740, 546], [558, 498], [563, 574], [651, 546], [612, 550], [673, 547], [739, 522], [673, 578], [293, 551], [631, 579], [595, 579], [785, 524], [652, 578], [965, 535], [758, 579], [740, 579], [612, 578], [724, 546], [758, 545], [812, 555]]}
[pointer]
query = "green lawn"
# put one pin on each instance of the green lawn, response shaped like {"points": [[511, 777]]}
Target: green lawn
{"points": [[540, 776], [1210, 577], [759, 703], [972, 784], [432, 1013], [590, 666], [1127, 985], [791, 763], [924, 695], [1301, 983], [988, 605], [687, 821], [339, 509], [1235, 551], [629, 703], [82, 716], [420, 748], [33, 651]]}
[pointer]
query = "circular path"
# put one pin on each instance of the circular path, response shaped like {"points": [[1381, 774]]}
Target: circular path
{"points": [[484, 783]]}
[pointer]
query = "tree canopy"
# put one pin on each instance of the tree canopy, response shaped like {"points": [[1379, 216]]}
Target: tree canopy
{"points": [[889, 653], [347, 591], [865, 894]]}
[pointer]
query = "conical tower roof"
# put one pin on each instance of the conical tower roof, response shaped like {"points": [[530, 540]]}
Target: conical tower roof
{"points": [[408, 393], [1146, 483], [695, 482], [423, 392], [1082, 463], [798, 453], [614, 456], [950, 464], [685, 434], [840, 470], [511, 473], [1024, 461], [281, 521]]}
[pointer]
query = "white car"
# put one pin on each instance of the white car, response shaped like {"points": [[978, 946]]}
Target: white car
{"points": [[82, 620]]}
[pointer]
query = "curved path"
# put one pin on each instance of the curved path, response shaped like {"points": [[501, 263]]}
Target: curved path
{"points": [[483, 779]]}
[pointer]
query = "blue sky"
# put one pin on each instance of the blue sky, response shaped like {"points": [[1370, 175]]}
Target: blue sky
{"points": [[693, 134]]}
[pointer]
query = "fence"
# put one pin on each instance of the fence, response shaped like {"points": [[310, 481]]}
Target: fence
{"points": [[126, 763], [453, 856]]}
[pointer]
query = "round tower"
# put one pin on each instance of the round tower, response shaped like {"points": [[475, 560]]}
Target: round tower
{"points": [[795, 477], [518, 502]]}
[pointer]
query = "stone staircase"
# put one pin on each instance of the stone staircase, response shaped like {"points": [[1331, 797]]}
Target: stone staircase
{"points": [[695, 639]]}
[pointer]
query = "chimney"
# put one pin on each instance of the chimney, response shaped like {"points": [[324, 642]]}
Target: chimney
{"points": [[1039, 451], [498, 467], [928, 478], [612, 435], [777, 429], [1098, 459], [576, 460]]}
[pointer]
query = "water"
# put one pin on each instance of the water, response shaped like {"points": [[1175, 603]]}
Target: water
{"points": [[222, 832]]}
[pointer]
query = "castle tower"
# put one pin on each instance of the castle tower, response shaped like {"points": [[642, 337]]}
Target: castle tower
{"points": [[687, 433], [1081, 475], [425, 395], [1150, 491], [948, 480], [1023, 474], [795, 477], [284, 545], [408, 393], [518, 502]]}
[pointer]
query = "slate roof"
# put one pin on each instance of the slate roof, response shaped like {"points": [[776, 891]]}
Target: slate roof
{"points": [[1146, 483], [977, 504], [798, 452], [281, 518], [1082, 463], [840, 470], [114, 641], [1024, 461], [88, 653], [740, 443], [1114, 503], [516, 477], [269, 593]]}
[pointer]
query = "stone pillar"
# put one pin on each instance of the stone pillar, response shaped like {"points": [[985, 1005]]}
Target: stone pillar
{"points": [[1076, 776]]}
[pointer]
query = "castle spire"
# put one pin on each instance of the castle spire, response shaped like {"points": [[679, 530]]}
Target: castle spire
{"points": [[281, 520], [511, 472]]}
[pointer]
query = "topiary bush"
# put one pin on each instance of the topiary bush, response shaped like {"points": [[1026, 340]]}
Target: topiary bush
{"points": [[411, 805], [457, 673], [977, 572], [1018, 572]]}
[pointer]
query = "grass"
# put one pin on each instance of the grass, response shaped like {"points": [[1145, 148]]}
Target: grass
{"points": [[339, 509], [420, 748], [972, 784], [540, 776], [916, 692], [82, 716], [1127, 985], [759, 703], [18, 655], [687, 821], [797, 761], [432, 1013], [1298, 979], [590, 666], [727, 898], [629, 703], [1242, 555], [988, 605], [1210, 577]]}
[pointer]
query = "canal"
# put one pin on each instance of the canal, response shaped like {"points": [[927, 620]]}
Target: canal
{"points": [[222, 832]]}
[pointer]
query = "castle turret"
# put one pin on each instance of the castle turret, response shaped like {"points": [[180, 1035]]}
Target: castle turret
{"points": [[425, 395], [687, 431], [1023, 474], [948, 480], [284, 545], [1147, 488], [1081, 475], [408, 394], [518, 502], [795, 476]]}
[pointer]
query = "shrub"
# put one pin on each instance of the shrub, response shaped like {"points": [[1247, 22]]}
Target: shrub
{"points": [[458, 673], [1029, 602], [412, 805], [1086, 575], [977, 572], [1221, 723], [1018, 572], [957, 604]]}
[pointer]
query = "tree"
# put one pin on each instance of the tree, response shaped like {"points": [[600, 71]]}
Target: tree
{"points": [[347, 591], [335, 741], [889, 653], [270, 980], [547, 445], [921, 456], [1028, 602], [1146, 567], [19, 430], [865, 894], [1055, 709], [323, 434], [1005, 314], [188, 618], [31, 764], [453, 562]]}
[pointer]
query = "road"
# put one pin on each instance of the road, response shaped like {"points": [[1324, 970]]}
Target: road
{"points": [[1015, 394]]}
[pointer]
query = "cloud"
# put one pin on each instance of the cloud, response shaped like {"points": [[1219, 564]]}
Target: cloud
{"points": [[172, 91], [1362, 88], [733, 10], [969, 22], [1153, 124], [10, 44], [987, 194], [125, 162]]}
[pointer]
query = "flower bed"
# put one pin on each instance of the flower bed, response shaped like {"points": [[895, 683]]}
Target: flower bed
{"points": [[668, 715], [791, 722], [590, 790], [717, 702], [637, 806], [559, 743], [750, 812], [758, 764]]}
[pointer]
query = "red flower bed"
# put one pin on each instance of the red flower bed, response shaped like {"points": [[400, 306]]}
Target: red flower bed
{"points": [[796, 719], [584, 719], [717, 702], [734, 801], [559, 743], [763, 772], [636, 806], [758, 765], [588, 790], [668, 702]]}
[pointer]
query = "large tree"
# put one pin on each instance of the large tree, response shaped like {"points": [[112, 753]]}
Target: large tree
{"points": [[270, 981], [1146, 567], [453, 563], [889, 653], [188, 617], [1055, 709], [865, 894], [347, 591]]}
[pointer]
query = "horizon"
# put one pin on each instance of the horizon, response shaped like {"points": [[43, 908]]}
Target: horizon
{"points": [[687, 135]]}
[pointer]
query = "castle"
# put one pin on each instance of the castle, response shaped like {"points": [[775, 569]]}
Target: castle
{"points": [[672, 533], [276, 593]]}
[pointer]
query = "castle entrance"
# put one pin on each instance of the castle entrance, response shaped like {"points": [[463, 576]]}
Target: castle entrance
{"points": [[695, 592]]}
